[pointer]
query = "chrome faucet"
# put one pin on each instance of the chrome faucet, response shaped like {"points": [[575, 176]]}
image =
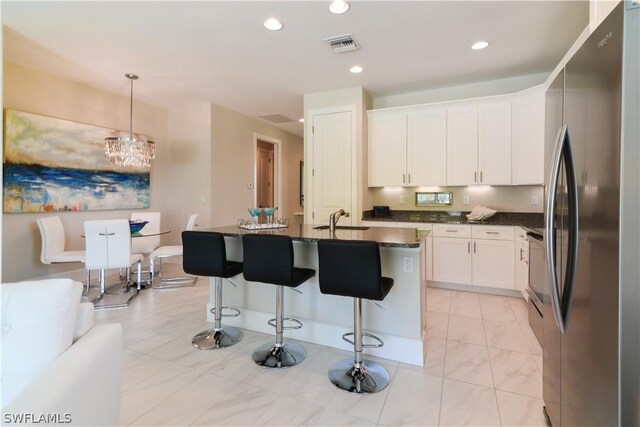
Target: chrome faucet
{"points": [[333, 219]]}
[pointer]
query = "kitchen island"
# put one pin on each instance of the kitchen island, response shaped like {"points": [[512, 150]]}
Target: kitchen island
{"points": [[327, 317]]}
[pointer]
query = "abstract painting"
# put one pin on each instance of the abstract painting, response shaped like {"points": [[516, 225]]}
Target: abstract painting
{"points": [[57, 165]]}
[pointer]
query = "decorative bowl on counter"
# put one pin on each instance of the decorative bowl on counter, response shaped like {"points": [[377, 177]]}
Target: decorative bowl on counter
{"points": [[137, 225]]}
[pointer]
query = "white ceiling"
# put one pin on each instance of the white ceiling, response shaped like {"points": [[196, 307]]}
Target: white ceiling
{"points": [[219, 52]]}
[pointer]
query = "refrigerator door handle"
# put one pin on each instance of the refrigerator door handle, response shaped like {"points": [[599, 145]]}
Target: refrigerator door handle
{"points": [[572, 261], [550, 238]]}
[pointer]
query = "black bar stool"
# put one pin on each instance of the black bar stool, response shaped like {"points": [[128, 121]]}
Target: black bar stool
{"points": [[269, 259], [352, 268], [205, 254]]}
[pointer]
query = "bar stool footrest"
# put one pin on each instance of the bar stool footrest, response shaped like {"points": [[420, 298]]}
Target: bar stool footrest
{"points": [[272, 322], [236, 312], [364, 334]]}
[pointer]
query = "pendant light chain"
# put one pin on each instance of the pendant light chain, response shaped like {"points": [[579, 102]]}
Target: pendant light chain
{"points": [[131, 110]]}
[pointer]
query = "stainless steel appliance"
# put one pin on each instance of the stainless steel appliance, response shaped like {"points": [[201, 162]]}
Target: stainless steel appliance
{"points": [[538, 289], [592, 239]]}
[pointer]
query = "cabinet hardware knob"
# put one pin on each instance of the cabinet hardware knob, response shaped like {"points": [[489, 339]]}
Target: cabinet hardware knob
{"points": [[468, 247], [475, 177], [474, 247], [492, 232], [403, 178], [480, 176]]}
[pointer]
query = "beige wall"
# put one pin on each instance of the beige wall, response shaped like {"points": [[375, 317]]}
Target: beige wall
{"points": [[503, 199], [458, 92], [34, 92], [187, 182], [232, 165]]}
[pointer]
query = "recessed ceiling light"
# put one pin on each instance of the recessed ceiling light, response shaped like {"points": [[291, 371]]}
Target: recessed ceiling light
{"points": [[301, 120], [356, 69], [479, 45], [339, 6], [273, 24]]}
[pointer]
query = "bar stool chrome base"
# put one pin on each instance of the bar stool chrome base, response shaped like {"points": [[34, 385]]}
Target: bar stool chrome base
{"points": [[366, 377], [220, 338], [282, 355]]}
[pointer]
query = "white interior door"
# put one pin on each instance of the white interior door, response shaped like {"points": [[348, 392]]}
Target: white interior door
{"points": [[331, 174]]}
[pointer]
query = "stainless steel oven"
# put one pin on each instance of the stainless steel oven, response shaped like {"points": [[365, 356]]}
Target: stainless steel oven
{"points": [[538, 282]]}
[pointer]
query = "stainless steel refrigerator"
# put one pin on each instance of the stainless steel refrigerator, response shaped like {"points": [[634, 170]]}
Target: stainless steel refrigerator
{"points": [[592, 222]]}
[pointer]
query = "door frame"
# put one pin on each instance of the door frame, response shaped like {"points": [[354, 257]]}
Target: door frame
{"points": [[308, 159], [277, 169]]}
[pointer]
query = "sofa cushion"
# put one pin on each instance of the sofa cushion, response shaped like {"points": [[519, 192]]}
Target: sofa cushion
{"points": [[38, 324]]}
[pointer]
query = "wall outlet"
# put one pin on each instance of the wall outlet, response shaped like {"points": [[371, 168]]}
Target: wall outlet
{"points": [[401, 200], [534, 200], [465, 199], [407, 264]]}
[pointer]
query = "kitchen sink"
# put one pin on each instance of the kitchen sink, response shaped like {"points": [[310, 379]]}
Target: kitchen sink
{"points": [[341, 227]]}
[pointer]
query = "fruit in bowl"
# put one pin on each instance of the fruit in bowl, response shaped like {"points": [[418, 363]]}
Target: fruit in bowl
{"points": [[137, 225]]}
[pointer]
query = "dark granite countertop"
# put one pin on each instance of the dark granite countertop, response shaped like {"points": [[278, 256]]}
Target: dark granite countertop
{"points": [[385, 236], [520, 219]]}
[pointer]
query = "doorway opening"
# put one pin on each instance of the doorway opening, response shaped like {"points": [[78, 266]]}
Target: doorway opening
{"points": [[267, 157], [265, 174]]}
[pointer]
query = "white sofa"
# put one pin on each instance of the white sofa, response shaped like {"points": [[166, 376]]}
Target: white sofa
{"points": [[56, 366]]}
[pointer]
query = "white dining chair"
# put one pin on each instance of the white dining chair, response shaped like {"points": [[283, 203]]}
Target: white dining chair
{"points": [[145, 245], [171, 251], [108, 246], [53, 245]]}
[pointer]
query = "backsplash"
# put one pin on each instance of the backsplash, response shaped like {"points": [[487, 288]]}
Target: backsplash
{"points": [[500, 198]]}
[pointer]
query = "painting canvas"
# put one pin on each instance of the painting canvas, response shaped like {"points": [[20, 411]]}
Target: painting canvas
{"points": [[58, 165]]}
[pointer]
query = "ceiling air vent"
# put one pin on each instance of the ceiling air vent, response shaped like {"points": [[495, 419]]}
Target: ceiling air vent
{"points": [[343, 43]]}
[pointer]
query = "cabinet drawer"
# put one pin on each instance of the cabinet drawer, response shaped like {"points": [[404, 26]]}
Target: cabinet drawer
{"points": [[452, 230], [492, 232], [419, 225]]}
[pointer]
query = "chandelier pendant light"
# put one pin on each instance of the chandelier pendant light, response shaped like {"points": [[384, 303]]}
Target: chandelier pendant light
{"points": [[128, 151]]}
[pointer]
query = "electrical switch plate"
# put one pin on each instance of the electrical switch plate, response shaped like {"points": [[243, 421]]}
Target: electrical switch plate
{"points": [[534, 200], [401, 200], [407, 264], [465, 199]]}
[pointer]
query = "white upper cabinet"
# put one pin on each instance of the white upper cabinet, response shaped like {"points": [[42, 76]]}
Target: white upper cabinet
{"points": [[479, 144], [408, 147], [494, 143], [427, 146], [528, 137], [462, 145], [387, 148]]}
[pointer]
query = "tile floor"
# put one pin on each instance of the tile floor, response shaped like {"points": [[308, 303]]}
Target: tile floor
{"points": [[483, 368]]}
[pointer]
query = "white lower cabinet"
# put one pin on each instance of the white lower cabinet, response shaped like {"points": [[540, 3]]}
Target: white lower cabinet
{"points": [[493, 263], [486, 261], [451, 260], [479, 255], [522, 261]]}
